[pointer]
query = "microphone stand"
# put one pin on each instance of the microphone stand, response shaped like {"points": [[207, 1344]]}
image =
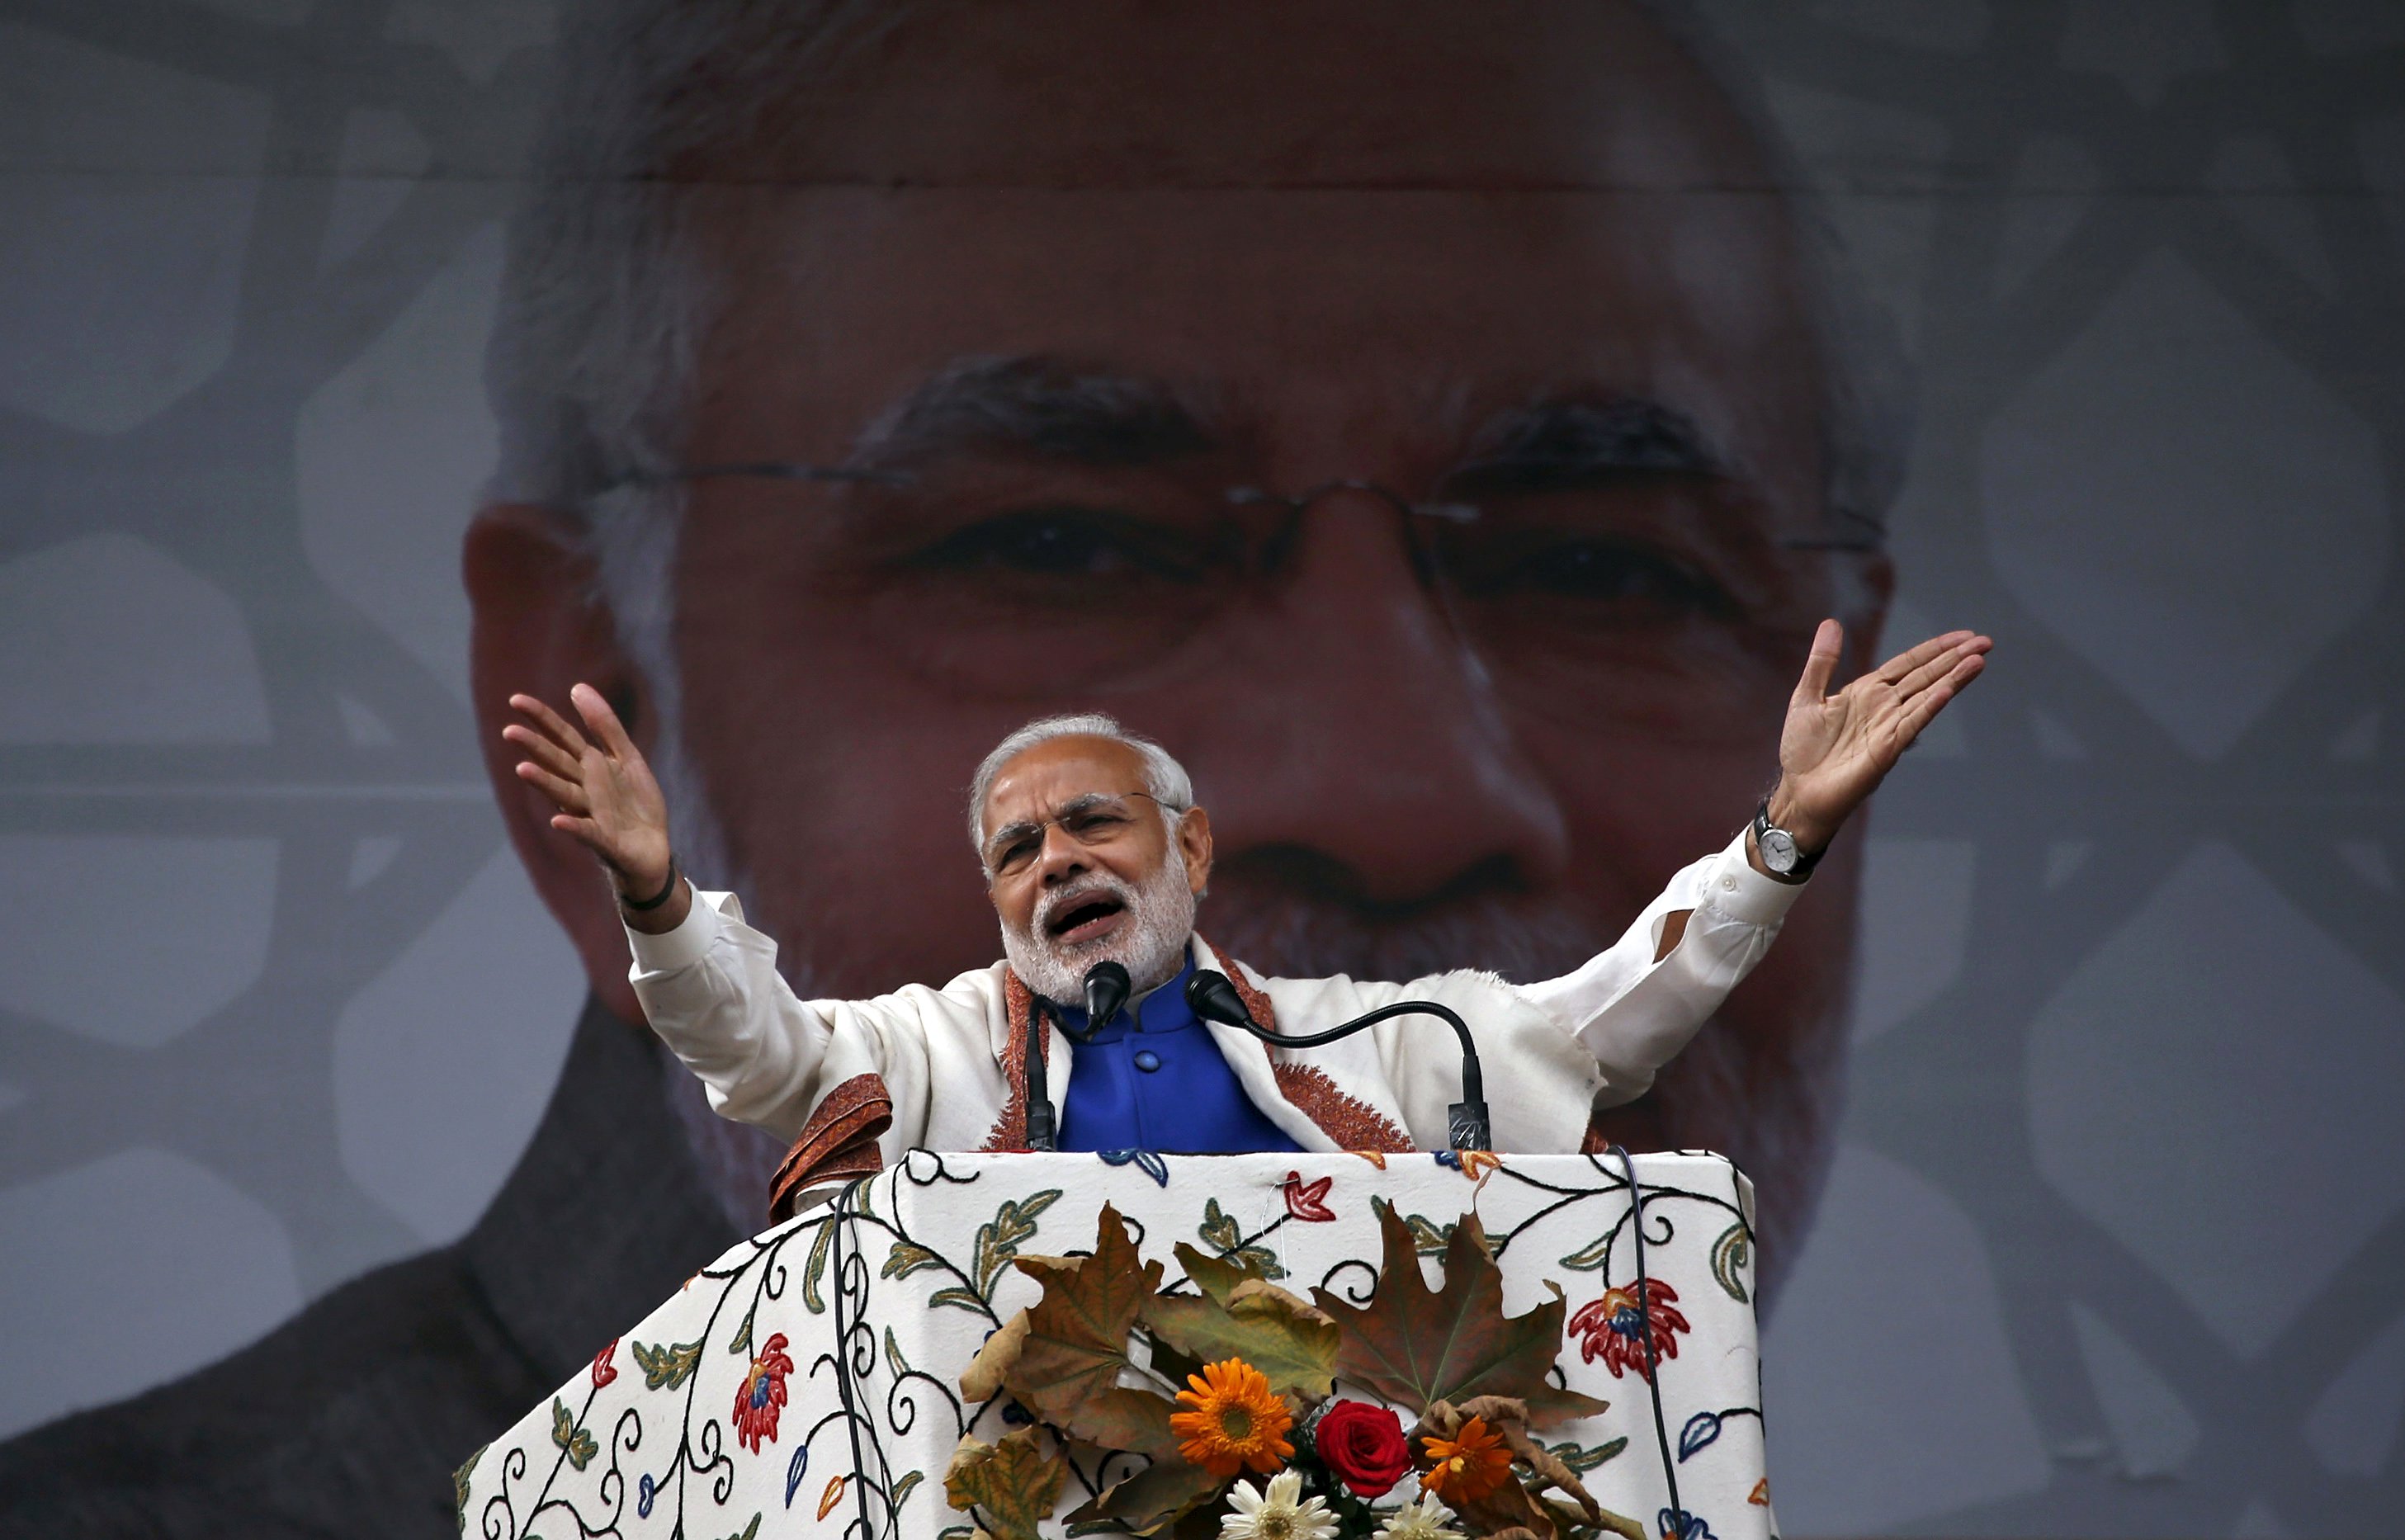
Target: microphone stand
{"points": [[1041, 1134], [1466, 1122]]}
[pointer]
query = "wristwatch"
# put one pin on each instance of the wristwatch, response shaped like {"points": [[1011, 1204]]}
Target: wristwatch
{"points": [[1780, 851]]}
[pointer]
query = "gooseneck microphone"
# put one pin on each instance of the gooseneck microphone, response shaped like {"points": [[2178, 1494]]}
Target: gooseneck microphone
{"points": [[1108, 986], [1214, 998]]}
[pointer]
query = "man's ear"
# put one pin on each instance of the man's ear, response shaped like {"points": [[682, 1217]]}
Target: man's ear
{"points": [[539, 629], [1194, 844]]}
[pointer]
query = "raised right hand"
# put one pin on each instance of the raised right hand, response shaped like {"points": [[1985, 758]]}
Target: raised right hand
{"points": [[605, 793]]}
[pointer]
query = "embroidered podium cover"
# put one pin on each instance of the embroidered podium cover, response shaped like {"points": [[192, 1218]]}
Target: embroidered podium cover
{"points": [[809, 1381]]}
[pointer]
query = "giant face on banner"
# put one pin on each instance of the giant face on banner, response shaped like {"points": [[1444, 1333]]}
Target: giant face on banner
{"points": [[1427, 421]]}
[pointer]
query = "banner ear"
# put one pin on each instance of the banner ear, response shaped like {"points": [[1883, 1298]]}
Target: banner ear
{"points": [[539, 629]]}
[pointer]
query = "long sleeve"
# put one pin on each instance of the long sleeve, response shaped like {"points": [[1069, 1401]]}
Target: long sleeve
{"points": [[711, 989], [1635, 1013]]}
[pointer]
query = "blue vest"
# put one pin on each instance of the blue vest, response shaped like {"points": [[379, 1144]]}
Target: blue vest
{"points": [[1153, 1078]]}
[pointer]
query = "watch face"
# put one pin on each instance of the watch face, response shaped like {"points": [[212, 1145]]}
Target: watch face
{"points": [[1778, 850]]}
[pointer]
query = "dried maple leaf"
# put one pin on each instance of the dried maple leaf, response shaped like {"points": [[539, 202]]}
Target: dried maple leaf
{"points": [[1076, 1339], [1294, 1346], [1153, 1498], [1417, 1347], [1011, 1486], [983, 1377], [1216, 1276]]}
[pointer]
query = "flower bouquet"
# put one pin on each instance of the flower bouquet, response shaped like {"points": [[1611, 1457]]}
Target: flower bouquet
{"points": [[1172, 1400]]}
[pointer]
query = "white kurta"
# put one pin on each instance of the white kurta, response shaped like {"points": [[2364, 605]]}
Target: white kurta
{"points": [[1552, 1052]]}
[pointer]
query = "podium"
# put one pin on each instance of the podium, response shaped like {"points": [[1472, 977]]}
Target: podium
{"points": [[809, 1381]]}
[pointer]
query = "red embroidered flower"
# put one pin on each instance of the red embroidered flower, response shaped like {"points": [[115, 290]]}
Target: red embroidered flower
{"points": [[1308, 1200], [605, 1371], [762, 1394], [1364, 1444], [1616, 1327]]}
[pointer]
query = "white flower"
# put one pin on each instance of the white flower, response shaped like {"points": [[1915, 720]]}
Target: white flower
{"points": [[1277, 1516], [1426, 1519]]}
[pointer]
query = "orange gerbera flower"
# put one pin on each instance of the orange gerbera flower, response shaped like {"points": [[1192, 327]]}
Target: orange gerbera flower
{"points": [[1234, 1421], [1467, 1466]]}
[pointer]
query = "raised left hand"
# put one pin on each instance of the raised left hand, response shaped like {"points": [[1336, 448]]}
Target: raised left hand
{"points": [[1836, 749]]}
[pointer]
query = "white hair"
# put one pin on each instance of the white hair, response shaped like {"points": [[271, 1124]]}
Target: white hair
{"points": [[1165, 780]]}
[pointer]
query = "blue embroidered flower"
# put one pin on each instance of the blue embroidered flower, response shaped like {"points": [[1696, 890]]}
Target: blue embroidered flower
{"points": [[1679, 1524], [1145, 1161]]}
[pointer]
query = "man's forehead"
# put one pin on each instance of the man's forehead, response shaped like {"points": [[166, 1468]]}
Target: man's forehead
{"points": [[1037, 779], [1506, 93]]}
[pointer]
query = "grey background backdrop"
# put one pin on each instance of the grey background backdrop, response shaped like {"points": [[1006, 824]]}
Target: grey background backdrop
{"points": [[2116, 1243]]}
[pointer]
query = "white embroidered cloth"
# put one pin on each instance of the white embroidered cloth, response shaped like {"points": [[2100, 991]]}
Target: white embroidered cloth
{"points": [[806, 1382]]}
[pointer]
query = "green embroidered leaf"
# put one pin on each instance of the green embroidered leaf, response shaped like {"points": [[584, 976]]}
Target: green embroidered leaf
{"points": [[908, 1484], [668, 1367], [751, 1531], [1587, 1259], [1732, 1254], [742, 1343], [1010, 1484], [1220, 1230], [1096, 1526], [962, 1298], [1429, 1237], [1582, 1458], [459, 1486], [569, 1437], [893, 1359], [998, 1243], [908, 1257], [816, 1268]]}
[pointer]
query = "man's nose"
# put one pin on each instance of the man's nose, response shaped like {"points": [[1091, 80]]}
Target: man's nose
{"points": [[1353, 729], [1062, 857]]}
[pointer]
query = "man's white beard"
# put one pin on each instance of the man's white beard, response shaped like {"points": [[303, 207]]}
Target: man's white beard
{"points": [[1150, 943]]}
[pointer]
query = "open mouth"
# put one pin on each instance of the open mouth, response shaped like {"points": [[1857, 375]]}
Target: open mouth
{"points": [[1087, 919]]}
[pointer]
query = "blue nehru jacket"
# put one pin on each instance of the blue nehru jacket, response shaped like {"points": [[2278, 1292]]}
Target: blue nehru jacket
{"points": [[1154, 1079]]}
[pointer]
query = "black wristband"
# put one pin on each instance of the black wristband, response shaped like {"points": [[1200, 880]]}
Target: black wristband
{"points": [[639, 906]]}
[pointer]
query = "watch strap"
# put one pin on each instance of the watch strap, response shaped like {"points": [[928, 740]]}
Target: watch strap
{"points": [[1805, 860]]}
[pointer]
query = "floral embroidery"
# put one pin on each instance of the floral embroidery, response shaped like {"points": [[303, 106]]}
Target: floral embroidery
{"points": [[1618, 1326], [605, 1371], [1679, 1524], [1145, 1161], [1009, 1130], [1348, 1120], [762, 1396], [1308, 1200]]}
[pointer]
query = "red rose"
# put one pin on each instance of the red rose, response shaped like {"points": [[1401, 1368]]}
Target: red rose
{"points": [[1364, 1444]]}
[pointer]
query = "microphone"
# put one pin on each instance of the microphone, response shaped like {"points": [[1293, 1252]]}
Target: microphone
{"points": [[1108, 986], [1214, 998], [1106, 989]]}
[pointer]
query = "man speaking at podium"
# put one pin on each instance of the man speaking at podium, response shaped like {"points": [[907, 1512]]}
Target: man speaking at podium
{"points": [[1094, 850]]}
